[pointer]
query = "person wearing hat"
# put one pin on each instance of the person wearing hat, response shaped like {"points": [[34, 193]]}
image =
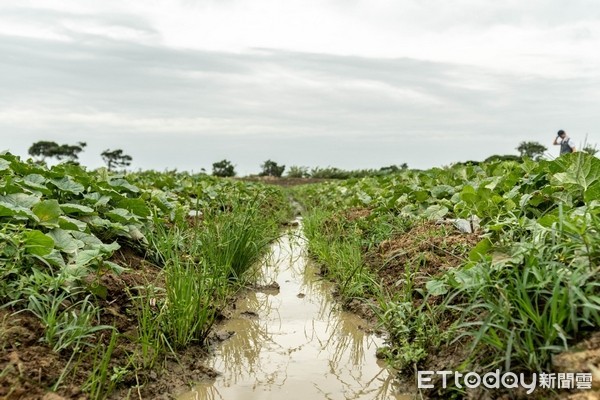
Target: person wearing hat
{"points": [[565, 143]]}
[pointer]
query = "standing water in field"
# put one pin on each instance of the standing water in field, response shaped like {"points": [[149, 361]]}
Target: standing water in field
{"points": [[295, 342]]}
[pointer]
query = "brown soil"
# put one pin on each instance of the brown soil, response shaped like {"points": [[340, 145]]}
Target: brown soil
{"points": [[583, 357], [365, 309], [352, 214], [27, 366], [428, 249]]}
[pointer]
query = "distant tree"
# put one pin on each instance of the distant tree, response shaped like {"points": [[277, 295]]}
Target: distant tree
{"points": [[70, 152], [43, 149], [393, 168], [531, 149], [46, 149], [298, 172], [590, 149], [270, 168], [116, 159], [332, 173], [223, 168]]}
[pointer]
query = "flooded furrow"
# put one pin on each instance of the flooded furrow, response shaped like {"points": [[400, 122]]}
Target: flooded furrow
{"points": [[295, 342]]}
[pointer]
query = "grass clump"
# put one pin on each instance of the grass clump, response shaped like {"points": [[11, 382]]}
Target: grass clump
{"points": [[203, 264], [232, 241], [339, 251], [100, 382], [66, 327]]}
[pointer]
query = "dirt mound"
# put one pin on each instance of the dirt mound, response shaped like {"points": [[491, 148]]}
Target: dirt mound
{"points": [[583, 357], [427, 249], [26, 366], [352, 214]]}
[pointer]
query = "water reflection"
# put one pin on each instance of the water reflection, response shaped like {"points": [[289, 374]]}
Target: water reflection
{"points": [[298, 347]]}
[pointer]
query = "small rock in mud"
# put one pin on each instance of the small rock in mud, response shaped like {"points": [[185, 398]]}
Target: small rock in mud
{"points": [[270, 288], [273, 285], [249, 314], [52, 396], [300, 295], [152, 375], [224, 335]]}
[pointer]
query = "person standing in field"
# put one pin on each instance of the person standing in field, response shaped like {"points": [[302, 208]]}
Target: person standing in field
{"points": [[565, 143]]}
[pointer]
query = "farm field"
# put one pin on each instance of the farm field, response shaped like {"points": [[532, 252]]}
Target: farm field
{"points": [[115, 286]]}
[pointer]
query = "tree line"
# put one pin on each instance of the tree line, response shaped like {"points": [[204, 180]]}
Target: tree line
{"points": [[44, 150], [117, 159], [270, 168]]}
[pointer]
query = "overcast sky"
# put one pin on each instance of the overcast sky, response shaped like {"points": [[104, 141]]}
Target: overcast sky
{"points": [[347, 83]]}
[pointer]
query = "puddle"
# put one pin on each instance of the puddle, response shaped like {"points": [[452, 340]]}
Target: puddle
{"points": [[295, 342]]}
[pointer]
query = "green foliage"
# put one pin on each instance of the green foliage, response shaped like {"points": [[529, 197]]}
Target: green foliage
{"points": [[540, 296], [223, 169], [100, 383], [151, 340], [233, 240], [533, 150], [338, 173], [339, 253], [297, 172], [116, 159], [271, 168], [193, 290], [65, 327], [189, 308], [61, 223], [505, 157], [413, 330]]}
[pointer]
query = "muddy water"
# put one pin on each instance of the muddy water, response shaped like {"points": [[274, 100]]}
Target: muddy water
{"points": [[295, 342]]}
